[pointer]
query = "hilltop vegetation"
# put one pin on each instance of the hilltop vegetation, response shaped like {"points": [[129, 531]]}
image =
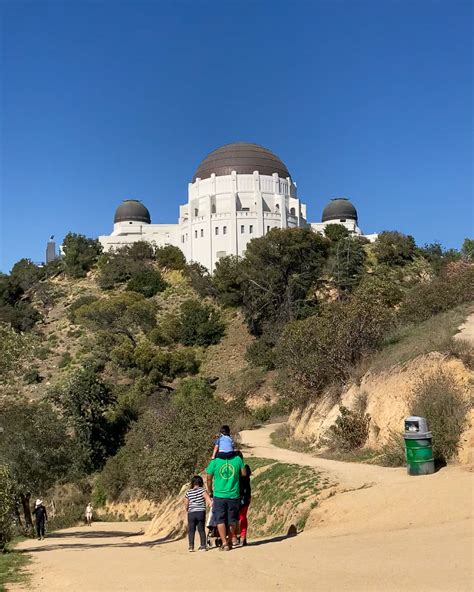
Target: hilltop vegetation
{"points": [[116, 373]]}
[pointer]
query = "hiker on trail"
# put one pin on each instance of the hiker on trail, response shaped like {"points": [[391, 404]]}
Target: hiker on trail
{"points": [[89, 511], [41, 518], [223, 476], [245, 499], [195, 501], [224, 444]]}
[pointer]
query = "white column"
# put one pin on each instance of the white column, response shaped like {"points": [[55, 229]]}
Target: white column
{"points": [[259, 203]]}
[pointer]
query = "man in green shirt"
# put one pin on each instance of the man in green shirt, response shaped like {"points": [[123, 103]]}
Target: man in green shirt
{"points": [[223, 476]]}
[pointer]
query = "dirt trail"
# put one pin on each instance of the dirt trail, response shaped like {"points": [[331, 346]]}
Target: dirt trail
{"points": [[348, 475], [466, 330], [396, 534]]}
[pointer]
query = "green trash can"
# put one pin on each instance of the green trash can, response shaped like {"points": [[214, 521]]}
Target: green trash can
{"points": [[418, 446]]}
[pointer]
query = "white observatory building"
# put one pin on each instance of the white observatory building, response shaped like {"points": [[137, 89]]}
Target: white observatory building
{"points": [[239, 192]]}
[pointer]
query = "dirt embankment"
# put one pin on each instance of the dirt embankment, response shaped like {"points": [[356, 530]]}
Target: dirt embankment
{"points": [[388, 395]]}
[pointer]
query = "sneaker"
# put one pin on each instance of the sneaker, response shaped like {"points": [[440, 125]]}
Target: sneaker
{"points": [[190, 549], [244, 542], [202, 549]]}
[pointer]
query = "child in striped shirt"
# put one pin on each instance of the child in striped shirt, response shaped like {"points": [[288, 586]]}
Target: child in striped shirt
{"points": [[195, 501]]}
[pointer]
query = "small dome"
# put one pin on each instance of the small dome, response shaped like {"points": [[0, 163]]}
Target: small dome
{"points": [[242, 157], [132, 210], [339, 208]]}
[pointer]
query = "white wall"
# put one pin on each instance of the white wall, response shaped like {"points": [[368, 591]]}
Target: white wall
{"points": [[240, 207]]}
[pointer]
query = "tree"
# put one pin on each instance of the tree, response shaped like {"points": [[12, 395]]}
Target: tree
{"points": [[199, 324], [394, 248], [170, 257], [335, 232], [467, 248], [347, 262], [126, 314], [35, 446], [7, 497], [25, 274], [228, 280], [120, 265], [323, 349], [147, 282], [80, 254], [200, 279], [169, 442], [280, 272], [85, 400]]}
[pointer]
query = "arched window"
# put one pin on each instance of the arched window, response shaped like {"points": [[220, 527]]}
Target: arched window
{"points": [[292, 212], [213, 209]]}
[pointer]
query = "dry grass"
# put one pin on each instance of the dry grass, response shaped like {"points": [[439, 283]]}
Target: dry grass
{"points": [[415, 340]]}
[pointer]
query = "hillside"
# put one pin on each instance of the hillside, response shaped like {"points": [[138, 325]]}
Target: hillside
{"points": [[132, 360]]}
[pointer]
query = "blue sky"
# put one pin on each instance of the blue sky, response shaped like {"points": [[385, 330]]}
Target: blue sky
{"points": [[107, 100]]}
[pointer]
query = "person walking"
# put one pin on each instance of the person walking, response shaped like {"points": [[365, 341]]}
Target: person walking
{"points": [[222, 478], [195, 501], [41, 517], [245, 499], [89, 512]]}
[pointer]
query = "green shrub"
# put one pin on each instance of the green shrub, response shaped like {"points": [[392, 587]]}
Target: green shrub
{"points": [[168, 443], [147, 282], [263, 414], [228, 280], [239, 385], [324, 349], [454, 286], [260, 354], [76, 305], [183, 362], [440, 399], [170, 257], [32, 376], [123, 355], [336, 232], [351, 428], [200, 280], [80, 254], [26, 274], [123, 314], [65, 360], [392, 453], [394, 248], [113, 479], [199, 324], [21, 316], [120, 265]]}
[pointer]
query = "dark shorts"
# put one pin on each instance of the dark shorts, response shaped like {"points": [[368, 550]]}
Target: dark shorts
{"points": [[225, 511]]}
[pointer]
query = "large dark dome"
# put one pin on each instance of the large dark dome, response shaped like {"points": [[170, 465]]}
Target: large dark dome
{"points": [[242, 157], [339, 208], [132, 210]]}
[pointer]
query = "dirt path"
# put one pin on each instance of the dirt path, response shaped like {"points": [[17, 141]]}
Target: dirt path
{"points": [[400, 533], [349, 475], [466, 330]]}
